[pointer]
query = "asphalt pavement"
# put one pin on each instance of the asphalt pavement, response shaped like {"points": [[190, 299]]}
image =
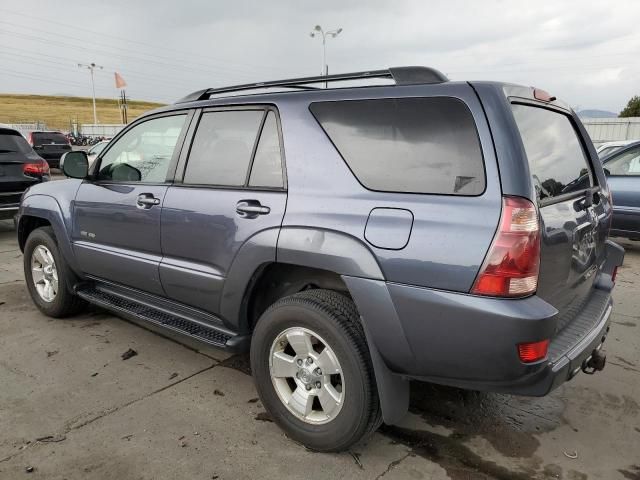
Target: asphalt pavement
{"points": [[72, 408]]}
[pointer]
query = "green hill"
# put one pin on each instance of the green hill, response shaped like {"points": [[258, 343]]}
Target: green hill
{"points": [[58, 111]]}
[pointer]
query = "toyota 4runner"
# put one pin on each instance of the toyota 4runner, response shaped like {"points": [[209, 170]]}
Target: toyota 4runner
{"points": [[350, 238]]}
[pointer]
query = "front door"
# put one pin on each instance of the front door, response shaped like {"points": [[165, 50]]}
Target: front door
{"points": [[116, 228], [232, 188]]}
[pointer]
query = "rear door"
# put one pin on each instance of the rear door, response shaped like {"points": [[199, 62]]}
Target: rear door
{"points": [[623, 177], [232, 188], [573, 224]]}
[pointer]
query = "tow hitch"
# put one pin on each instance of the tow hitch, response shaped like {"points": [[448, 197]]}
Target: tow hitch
{"points": [[595, 362]]}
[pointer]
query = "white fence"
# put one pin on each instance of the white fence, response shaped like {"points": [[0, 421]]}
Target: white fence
{"points": [[26, 127], [611, 129], [100, 129]]}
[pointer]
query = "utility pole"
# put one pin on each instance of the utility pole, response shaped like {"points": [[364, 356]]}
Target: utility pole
{"points": [[317, 30], [91, 67]]}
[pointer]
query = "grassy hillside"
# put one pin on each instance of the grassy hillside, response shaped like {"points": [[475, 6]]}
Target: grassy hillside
{"points": [[58, 112]]}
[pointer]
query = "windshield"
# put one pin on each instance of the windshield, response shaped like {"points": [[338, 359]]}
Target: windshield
{"points": [[13, 142]]}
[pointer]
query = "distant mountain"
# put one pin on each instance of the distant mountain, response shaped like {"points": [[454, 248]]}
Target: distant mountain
{"points": [[596, 114]]}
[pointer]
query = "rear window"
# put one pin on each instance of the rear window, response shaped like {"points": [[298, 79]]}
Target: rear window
{"points": [[13, 142], [410, 145], [40, 138], [556, 158]]}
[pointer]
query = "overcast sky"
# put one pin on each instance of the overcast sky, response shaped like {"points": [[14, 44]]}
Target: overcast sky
{"points": [[586, 53]]}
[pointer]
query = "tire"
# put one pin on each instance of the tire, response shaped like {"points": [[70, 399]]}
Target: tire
{"points": [[332, 320], [63, 302]]}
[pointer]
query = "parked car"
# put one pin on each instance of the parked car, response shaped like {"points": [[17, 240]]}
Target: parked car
{"points": [[349, 238], [93, 152], [49, 145], [623, 176], [20, 168]]}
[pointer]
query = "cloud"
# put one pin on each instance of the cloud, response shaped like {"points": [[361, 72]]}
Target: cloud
{"points": [[167, 49]]}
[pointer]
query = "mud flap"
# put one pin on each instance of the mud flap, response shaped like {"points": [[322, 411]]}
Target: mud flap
{"points": [[393, 390]]}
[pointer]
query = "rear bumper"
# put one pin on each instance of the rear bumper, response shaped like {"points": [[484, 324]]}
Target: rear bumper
{"points": [[471, 342]]}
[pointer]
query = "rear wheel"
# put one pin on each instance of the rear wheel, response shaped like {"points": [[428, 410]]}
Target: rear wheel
{"points": [[47, 275], [313, 371]]}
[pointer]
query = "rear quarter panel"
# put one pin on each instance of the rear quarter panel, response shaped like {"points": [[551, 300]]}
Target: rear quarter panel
{"points": [[450, 234]]}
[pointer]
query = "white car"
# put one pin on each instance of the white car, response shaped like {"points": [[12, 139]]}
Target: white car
{"points": [[94, 151], [608, 148]]}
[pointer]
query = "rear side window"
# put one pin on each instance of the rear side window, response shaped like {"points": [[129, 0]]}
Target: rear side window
{"points": [[222, 147], [556, 158], [411, 145], [40, 138], [13, 142], [267, 165]]}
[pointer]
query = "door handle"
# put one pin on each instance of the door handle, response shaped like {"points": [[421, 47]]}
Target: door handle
{"points": [[147, 200], [251, 209]]}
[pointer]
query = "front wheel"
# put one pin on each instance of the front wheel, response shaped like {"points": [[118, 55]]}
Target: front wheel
{"points": [[313, 371], [47, 275]]}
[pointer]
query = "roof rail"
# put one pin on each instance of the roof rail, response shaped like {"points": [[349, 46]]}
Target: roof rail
{"points": [[401, 75]]}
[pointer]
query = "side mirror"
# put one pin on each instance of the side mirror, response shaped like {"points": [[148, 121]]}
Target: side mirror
{"points": [[606, 172], [75, 164]]}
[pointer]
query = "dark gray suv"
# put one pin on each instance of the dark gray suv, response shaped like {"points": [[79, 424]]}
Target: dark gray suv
{"points": [[351, 238]]}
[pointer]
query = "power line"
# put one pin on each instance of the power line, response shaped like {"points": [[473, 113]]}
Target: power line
{"points": [[226, 66], [182, 53]]}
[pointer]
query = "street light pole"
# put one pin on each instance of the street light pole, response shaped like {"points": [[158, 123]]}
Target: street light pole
{"points": [[92, 66], [317, 30]]}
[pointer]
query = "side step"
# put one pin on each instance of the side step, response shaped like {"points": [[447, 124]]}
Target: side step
{"points": [[126, 305]]}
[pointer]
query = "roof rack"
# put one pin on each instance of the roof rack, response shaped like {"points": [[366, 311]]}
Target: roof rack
{"points": [[401, 75]]}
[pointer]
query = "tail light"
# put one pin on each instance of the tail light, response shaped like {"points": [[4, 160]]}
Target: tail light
{"points": [[37, 169], [533, 351], [512, 264]]}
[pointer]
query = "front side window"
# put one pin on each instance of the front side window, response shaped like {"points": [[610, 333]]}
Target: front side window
{"points": [[143, 153], [624, 164], [411, 145], [557, 161]]}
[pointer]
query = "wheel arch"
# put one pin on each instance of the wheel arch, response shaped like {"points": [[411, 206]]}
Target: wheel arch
{"points": [[43, 210]]}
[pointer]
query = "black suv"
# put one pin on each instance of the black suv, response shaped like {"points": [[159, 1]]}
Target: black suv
{"points": [[20, 168], [50, 145], [350, 238]]}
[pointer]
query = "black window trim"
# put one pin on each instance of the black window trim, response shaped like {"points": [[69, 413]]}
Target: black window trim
{"points": [[595, 185], [95, 167], [184, 160], [459, 99]]}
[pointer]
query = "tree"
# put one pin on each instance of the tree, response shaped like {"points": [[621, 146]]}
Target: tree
{"points": [[632, 109]]}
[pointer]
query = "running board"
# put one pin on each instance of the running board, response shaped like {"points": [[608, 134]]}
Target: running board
{"points": [[126, 305]]}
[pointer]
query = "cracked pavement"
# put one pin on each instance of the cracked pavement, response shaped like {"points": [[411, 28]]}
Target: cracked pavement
{"points": [[71, 408]]}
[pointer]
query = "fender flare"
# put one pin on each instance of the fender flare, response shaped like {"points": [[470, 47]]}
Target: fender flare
{"points": [[47, 208]]}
